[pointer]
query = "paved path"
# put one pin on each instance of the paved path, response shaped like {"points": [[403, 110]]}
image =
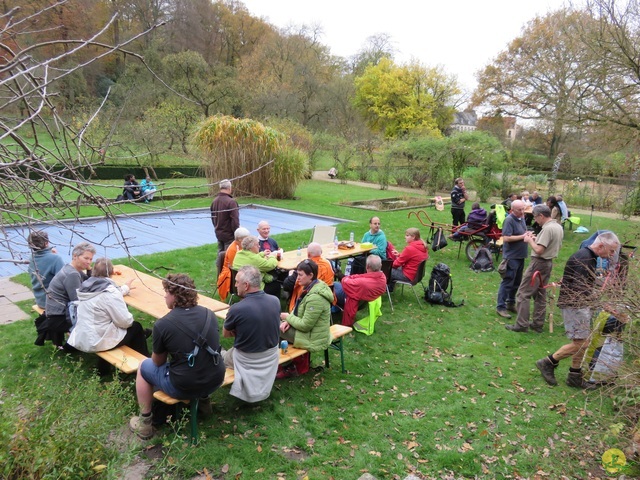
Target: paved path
{"points": [[11, 292]]}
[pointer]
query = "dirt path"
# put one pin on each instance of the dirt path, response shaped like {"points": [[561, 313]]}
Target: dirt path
{"points": [[583, 213]]}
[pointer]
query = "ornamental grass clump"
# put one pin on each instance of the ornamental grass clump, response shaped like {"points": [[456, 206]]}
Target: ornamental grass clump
{"points": [[260, 159]]}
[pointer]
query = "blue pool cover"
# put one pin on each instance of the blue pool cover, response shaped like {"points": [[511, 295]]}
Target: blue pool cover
{"points": [[145, 233]]}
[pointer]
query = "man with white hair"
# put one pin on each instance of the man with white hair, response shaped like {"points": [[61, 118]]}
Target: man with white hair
{"points": [[576, 299], [266, 243], [225, 217]]}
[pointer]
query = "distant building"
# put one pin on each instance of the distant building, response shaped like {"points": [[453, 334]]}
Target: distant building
{"points": [[511, 129], [466, 121]]}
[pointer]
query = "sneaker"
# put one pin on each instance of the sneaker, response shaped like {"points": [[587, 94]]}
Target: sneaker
{"points": [[575, 380], [503, 313], [511, 307], [516, 328], [142, 427], [547, 370]]}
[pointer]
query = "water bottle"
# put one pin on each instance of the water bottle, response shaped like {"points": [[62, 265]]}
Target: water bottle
{"points": [[299, 251], [335, 243], [351, 237]]}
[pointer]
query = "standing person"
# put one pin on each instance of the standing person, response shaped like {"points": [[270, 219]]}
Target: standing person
{"points": [[266, 243], [225, 216], [148, 189], [43, 265], [255, 325], [405, 267], [545, 246], [514, 251], [104, 321], [576, 300], [194, 371], [459, 195]]}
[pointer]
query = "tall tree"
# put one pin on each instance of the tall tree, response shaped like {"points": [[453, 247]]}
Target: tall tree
{"points": [[392, 100], [540, 75]]}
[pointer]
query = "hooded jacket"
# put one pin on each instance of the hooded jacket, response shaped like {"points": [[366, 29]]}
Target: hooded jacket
{"points": [[413, 254], [103, 317], [312, 319]]}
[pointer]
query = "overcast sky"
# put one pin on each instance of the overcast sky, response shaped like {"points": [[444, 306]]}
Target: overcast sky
{"points": [[461, 35]]}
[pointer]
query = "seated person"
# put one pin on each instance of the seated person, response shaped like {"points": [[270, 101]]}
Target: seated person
{"points": [[360, 287], [526, 199], [564, 210], [266, 244], [148, 189], [131, 189], [255, 325], [224, 279], [325, 273], [63, 289], [535, 198], [376, 236], [475, 220], [104, 322], [405, 267], [507, 202], [333, 173], [43, 266], [263, 261], [308, 325], [187, 374]]}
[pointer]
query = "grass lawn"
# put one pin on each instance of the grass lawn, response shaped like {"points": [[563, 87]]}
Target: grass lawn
{"points": [[438, 392]]}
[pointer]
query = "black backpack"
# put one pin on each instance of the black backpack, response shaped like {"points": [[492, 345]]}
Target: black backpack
{"points": [[483, 261], [440, 287]]}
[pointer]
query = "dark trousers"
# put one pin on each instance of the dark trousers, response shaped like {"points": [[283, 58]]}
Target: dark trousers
{"points": [[510, 282], [457, 214]]}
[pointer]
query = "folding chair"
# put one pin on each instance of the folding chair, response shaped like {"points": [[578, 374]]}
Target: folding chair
{"points": [[387, 265], [323, 234], [232, 289], [417, 280]]}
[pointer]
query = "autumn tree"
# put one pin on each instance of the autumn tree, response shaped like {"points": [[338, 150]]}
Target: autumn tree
{"points": [[540, 76], [376, 48], [393, 102]]}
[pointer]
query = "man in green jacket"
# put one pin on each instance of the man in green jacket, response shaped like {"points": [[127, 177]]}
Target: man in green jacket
{"points": [[251, 255]]}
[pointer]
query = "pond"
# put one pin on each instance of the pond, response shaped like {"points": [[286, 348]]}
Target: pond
{"points": [[389, 204], [145, 233]]}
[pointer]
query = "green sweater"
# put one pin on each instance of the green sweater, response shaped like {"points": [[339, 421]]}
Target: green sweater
{"points": [[313, 321], [258, 260]]}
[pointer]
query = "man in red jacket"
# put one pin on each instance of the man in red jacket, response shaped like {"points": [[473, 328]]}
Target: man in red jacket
{"points": [[366, 287]]}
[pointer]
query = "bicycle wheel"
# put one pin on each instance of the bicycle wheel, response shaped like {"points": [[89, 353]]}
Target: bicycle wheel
{"points": [[472, 247]]}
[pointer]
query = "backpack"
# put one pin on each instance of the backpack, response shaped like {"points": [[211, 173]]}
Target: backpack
{"points": [[438, 241], [440, 287], [482, 261]]}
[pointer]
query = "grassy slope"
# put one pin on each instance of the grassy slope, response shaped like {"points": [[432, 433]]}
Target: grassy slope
{"points": [[434, 390]]}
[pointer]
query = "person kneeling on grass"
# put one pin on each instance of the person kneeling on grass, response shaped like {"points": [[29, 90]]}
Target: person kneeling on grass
{"points": [[190, 334], [308, 326]]}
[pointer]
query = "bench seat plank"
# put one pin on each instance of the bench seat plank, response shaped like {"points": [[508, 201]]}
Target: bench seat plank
{"points": [[124, 358]]}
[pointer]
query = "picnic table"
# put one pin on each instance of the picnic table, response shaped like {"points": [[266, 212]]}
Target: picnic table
{"points": [[147, 294], [291, 259]]}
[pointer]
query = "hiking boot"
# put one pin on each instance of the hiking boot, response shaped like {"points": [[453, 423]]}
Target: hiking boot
{"points": [[534, 328], [142, 427], [503, 313], [575, 380], [511, 307], [516, 328], [546, 369]]}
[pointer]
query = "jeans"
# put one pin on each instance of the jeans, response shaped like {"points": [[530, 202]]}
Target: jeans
{"points": [[510, 282]]}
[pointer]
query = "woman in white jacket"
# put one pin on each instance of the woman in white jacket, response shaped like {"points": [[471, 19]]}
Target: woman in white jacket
{"points": [[104, 322]]}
